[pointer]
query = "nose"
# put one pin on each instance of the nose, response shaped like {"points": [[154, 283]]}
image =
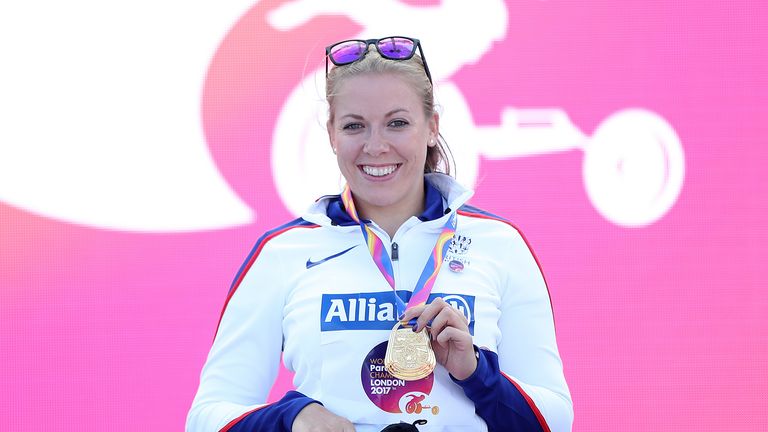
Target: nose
{"points": [[376, 144]]}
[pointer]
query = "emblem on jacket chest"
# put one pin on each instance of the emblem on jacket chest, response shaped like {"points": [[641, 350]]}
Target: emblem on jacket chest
{"points": [[457, 257]]}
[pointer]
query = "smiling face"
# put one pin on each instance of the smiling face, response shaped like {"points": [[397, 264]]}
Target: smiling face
{"points": [[380, 133]]}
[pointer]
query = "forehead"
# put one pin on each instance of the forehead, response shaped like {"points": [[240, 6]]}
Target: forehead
{"points": [[376, 92]]}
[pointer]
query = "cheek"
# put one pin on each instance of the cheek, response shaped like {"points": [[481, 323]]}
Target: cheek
{"points": [[417, 148], [346, 153]]}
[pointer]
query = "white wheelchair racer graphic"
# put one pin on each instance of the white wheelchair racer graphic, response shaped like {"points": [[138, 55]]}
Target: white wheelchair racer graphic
{"points": [[52, 152], [633, 165]]}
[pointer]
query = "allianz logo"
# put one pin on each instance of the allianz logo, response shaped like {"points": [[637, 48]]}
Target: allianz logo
{"points": [[377, 311]]}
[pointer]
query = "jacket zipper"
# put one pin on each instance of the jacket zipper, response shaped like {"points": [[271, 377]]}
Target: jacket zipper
{"points": [[394, 255]]}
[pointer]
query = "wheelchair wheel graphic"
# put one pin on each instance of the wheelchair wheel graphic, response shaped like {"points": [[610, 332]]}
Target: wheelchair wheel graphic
{"points": [[633, 167]]}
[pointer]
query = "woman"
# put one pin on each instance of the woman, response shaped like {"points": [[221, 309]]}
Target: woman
{"points": [[327, 289]]}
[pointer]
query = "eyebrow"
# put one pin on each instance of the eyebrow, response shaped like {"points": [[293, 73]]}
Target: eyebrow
{"points": [[359, 117], [394, 111]]}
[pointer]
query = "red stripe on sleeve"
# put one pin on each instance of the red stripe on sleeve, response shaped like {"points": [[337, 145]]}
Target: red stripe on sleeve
{"points": [[229, 425], [255, 255], [535, 258], [539, 416]]}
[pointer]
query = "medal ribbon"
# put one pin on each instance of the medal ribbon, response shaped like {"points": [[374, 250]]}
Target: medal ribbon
{"points": [[381, 258]]}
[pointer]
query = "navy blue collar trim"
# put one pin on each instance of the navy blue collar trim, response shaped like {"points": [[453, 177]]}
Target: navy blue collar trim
{"points": [[433, 208], [433, 203]]}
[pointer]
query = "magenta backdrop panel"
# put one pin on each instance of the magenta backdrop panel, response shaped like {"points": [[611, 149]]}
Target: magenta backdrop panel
{"points": [[628, 140]]}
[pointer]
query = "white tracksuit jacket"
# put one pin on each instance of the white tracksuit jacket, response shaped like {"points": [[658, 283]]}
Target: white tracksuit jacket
{"points": [[311, 290]]}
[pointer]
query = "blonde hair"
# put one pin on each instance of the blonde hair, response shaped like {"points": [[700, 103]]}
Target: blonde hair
{"points": [[439, 156]]}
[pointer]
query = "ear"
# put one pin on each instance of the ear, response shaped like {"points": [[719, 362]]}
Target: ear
{"points": [[434, 129], [331, 135]]}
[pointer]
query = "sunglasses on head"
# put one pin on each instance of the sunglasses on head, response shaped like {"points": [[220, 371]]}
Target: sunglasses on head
{"points": [[390, 47]]}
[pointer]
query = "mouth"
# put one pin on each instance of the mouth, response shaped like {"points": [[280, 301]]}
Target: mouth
{"points": [[379, 171]]}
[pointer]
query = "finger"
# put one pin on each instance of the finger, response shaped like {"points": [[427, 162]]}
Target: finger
{"points": [[451, 315], [413, 312], [462, 341], [448, 318], [429, 313], [425, 318], [444, 319], [459, 315], [419, 315]]}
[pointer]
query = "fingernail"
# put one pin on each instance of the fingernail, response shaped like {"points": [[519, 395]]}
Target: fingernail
{"points": [[415, 327]]}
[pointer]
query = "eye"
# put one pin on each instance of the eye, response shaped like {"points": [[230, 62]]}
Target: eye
{"points": [[352, 126], [398, 123]]}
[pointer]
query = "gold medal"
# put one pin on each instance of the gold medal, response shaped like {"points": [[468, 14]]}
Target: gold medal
{"points": [[409, 354]]}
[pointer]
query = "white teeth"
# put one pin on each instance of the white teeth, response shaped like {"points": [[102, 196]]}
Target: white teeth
{"points": [[379, 171]]}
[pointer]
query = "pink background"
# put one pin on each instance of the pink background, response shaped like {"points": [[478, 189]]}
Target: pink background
{"points": [[660, 327]]}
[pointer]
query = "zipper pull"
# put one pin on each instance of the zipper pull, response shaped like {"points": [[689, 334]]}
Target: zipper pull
{"points": [[394, 252]]}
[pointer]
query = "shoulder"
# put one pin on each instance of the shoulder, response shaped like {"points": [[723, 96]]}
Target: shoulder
{"points": [[281, 235], [499, 234], [478, 218], [293, 226], [284, 233], [504, 241]]}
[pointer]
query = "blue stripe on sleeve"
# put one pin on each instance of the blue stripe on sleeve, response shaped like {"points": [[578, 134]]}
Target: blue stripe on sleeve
{"points": [[479, 211], [278, 416], [294, 223], [497, 401]]}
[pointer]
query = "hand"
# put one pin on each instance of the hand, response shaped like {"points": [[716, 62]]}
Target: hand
{"points": [[316, 418], [451, 340]]}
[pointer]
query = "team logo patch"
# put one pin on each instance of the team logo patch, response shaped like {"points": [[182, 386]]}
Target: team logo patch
{"points": [[377, 311], [457, 256], [456, 266], [459, 245]]}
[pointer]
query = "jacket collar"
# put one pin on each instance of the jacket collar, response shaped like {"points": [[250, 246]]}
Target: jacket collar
{"points": [[442, 194]]}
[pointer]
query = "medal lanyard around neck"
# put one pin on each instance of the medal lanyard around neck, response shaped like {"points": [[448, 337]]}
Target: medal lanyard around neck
{"points": [[384, 263]]}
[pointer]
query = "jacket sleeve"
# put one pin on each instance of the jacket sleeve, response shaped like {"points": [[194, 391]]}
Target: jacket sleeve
{"points": [[522, 388], [244, 359]]}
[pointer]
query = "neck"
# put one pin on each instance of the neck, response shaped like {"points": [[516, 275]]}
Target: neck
{"points": [[389, 223], [391, 217]]}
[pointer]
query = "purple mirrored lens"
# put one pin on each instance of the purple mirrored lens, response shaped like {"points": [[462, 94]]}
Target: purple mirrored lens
{"points": [[348, 52], [396, 48]]}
